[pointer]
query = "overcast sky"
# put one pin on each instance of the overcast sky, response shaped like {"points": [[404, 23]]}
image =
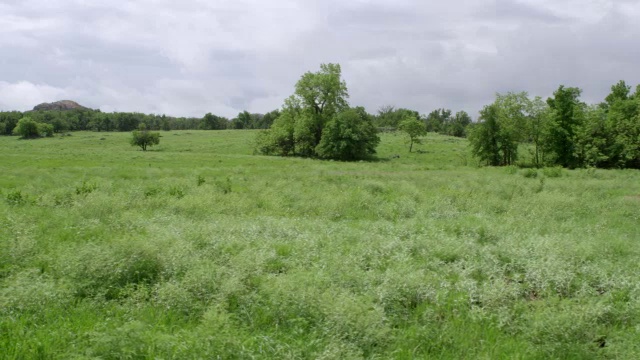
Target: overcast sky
{"points": [[190, 57]]}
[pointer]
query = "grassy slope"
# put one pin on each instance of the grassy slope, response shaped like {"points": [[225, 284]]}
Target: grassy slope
{"points": [[199, 249]]}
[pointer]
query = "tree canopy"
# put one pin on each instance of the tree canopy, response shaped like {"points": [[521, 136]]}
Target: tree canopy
{"points": [[316, 121]]}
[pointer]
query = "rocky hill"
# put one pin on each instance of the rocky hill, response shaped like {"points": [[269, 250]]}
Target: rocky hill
{"points": [[59, 105]]}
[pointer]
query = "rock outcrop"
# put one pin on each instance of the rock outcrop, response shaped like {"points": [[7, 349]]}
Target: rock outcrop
{"points": [[59, 105]]}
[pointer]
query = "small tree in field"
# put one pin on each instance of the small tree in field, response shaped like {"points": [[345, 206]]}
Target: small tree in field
{"points": [[144, 138], [414, 128]]}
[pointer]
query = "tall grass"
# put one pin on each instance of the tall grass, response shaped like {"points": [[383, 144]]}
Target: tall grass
{"points": [[198, 249]]}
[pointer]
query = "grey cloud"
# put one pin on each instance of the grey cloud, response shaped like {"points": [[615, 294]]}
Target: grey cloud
{"points": [[192, 57], [514, 10]]}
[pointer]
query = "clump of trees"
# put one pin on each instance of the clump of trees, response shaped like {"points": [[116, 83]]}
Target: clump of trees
{"points": [[144, 138], [441, 121], [27, 128], [562, 130], [316, 121]]}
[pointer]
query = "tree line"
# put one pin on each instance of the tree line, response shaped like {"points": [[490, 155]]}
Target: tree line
{"points": [[562, 131], [95, 120]]}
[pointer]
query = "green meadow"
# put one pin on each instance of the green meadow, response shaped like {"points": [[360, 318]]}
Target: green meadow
{"points": [[199, 249]]}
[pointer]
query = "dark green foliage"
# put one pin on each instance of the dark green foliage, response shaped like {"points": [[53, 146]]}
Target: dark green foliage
{"points": [[390, 117], [485, 138], [437, 119], [212, 122], [144, 138], [350, 135], [8, 121], [567, 115], [442, 121]]}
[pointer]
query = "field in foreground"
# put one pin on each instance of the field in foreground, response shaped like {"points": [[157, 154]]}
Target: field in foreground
{"points": [[199, 249]]}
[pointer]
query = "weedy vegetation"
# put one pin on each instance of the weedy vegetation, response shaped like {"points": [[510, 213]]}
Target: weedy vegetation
{"points": [[197, 248]]}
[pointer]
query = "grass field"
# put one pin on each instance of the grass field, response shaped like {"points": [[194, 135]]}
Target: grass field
{"points": [[199, 249]]}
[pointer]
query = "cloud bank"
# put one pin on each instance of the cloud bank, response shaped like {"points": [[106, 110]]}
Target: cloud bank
{"points": [[188, 58]]}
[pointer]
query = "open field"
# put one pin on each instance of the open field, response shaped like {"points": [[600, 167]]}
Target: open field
{"points": [[199, 249]]}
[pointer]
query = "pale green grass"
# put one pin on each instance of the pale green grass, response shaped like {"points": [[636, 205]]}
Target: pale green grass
{"points": [[199, 249]]}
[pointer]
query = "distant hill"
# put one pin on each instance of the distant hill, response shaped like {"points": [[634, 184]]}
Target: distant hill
{"points": [[60, 105]]}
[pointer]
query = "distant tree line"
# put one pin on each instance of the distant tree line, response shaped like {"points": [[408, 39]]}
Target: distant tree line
{"points": [[562, 130], [441, 121], [95, 120]]}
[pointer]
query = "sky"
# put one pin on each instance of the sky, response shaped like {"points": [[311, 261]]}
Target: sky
{"points": [[191, 57]]}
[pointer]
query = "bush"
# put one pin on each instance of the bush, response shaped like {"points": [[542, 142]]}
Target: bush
{"points": [[144, 138], [45, 130], [27, 128], [351, 135]]}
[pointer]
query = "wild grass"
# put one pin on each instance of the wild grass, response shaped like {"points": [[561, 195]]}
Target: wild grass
{"points": [[199, 249]]}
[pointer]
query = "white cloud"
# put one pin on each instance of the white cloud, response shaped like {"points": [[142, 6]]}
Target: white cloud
{"points": [[24, 95]]}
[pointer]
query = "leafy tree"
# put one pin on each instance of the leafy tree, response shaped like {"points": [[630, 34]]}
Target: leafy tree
{"points": [[350, 135], [414, 129], [537, 120], [318, 101], [619, 92], [566, 116], [512, 118], [501, 129], [591, 138], [244, 120], [144, 138], [622, 129], [27, 128], [213, 122], [485, 138]]}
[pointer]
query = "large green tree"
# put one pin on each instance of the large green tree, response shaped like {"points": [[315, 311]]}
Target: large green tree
{"points": [[485, 137], [502, 127], [313, 112], [567, 115]]}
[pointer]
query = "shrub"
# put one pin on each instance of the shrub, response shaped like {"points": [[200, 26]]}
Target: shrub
{"points": [[144, 138], [349, 136], [27, 128], [45, 130]]}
